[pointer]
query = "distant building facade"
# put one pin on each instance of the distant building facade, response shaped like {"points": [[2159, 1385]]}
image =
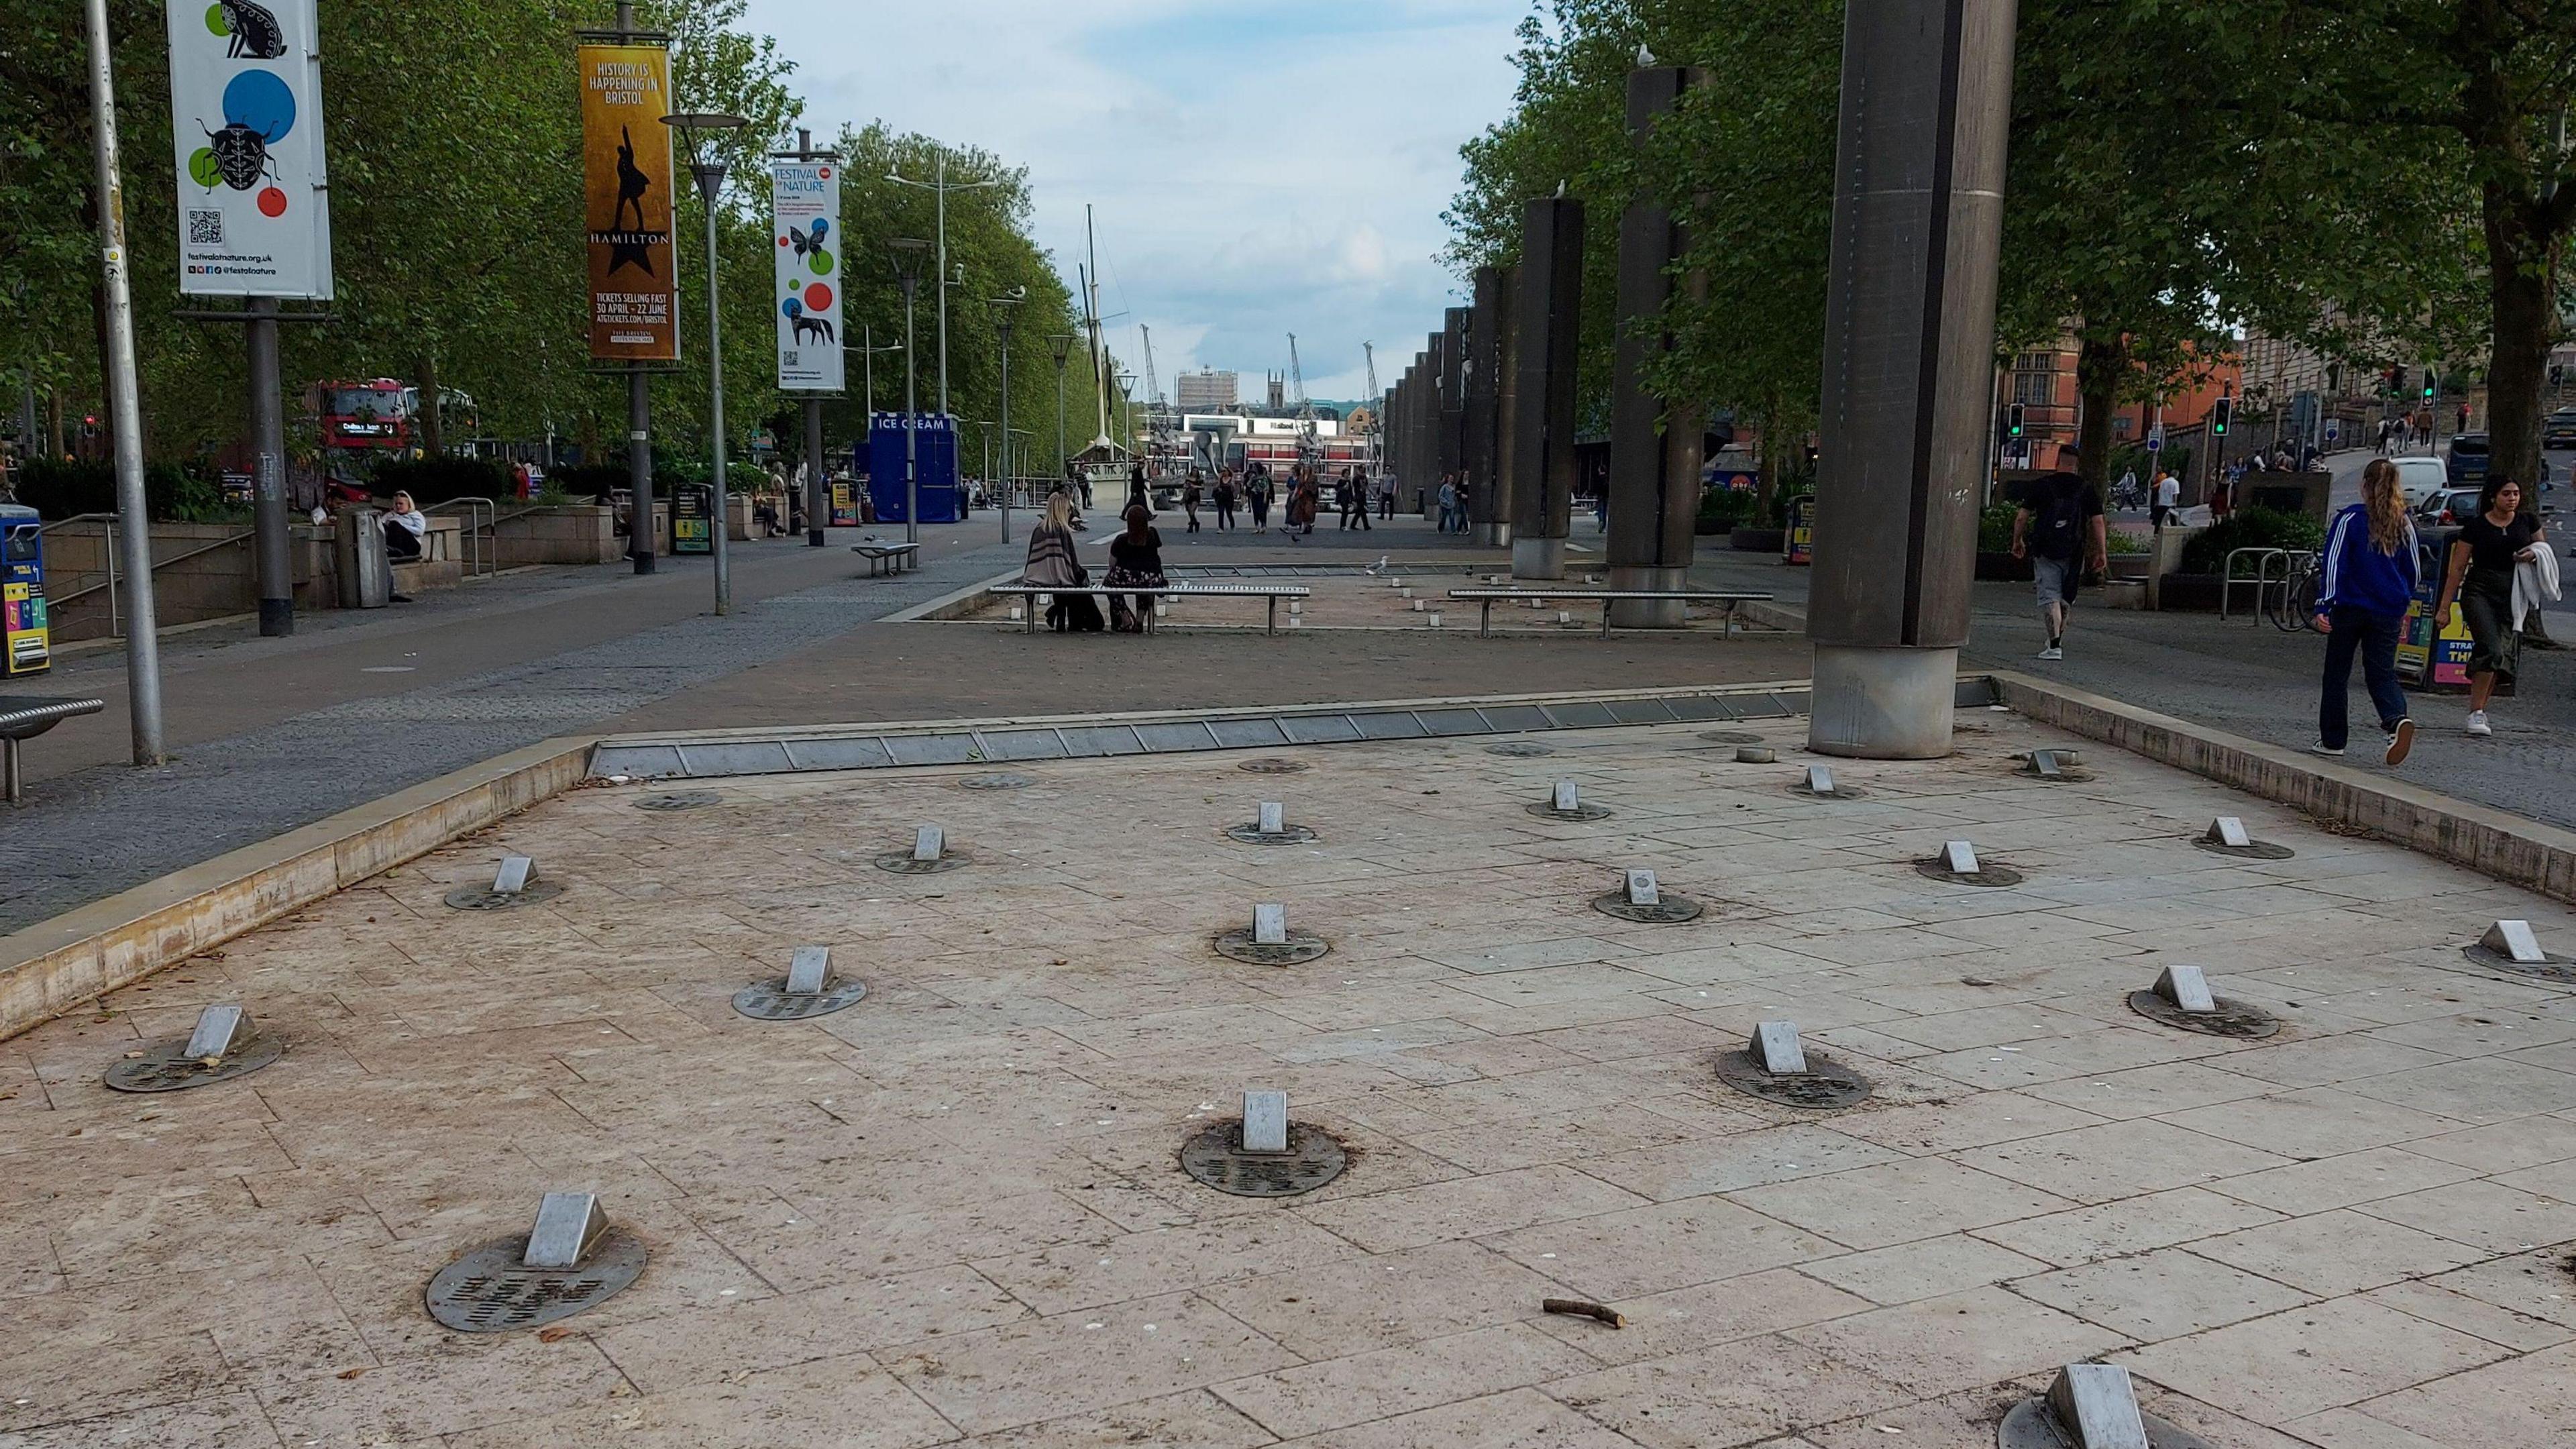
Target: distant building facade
{"points": [[1206, 390]]}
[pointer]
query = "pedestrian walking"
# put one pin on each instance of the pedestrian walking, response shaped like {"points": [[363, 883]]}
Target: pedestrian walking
{"points": [[2168, 498], [2125, 492], [2485, 556], [1138, 496], [1448, 501], [1225, 496], [1386, 498], [2059, 528], [2368, 581], [1257, 493], [2222, 499], [1190, 500]]}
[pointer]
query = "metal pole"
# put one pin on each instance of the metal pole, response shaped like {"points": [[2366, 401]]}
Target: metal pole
{"points": [[710, 180], [643, 534], [1006, 425], [268, 475], [942, 194], [818, 489], [868, 352], [124, 407], [911, 425]]}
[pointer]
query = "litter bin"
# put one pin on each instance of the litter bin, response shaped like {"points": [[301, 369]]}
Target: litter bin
{"points": [[366, 576]]}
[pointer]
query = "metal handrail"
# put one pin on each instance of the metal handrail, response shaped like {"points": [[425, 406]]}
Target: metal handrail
{"points": [[474, 532], [115, 630]]}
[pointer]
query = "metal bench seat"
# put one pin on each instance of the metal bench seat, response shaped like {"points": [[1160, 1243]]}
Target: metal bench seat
{"points": [[1175, 592], [23, 717], [1487, 598]]}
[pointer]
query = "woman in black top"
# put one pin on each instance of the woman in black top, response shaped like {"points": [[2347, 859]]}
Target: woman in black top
{"points": [[2480, 577], [1135, 561]]}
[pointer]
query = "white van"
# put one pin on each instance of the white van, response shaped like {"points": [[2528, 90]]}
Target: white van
{"points": [[2421, 478]]}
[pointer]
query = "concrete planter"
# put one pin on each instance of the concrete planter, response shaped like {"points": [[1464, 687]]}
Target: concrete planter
{"points": [[581, 533]]}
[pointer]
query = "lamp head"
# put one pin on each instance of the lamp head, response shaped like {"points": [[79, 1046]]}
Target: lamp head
{"points": [[907, 253]]}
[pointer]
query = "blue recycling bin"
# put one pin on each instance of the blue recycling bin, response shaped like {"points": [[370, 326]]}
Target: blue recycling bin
{"points": [[935, 454]]}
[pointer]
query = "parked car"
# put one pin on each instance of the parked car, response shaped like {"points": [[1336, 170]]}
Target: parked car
{"points": [[2421, 478], [2446, 508], [2468, 458], [2559, 429]]}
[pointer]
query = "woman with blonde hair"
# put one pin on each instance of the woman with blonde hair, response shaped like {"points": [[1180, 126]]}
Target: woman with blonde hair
{"points": [[2370, 570], [1052, 565]]}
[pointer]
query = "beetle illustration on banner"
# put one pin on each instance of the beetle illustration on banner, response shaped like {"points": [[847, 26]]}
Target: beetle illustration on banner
{"points": [[626, 195], [246, 123], [805, 204]]}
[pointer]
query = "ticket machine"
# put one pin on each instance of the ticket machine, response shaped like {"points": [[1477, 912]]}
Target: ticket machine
{"points": [[22, 594]]}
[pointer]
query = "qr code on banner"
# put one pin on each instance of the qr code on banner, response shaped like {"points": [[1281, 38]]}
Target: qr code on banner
{"points": [[787, 358], [206, 228]]}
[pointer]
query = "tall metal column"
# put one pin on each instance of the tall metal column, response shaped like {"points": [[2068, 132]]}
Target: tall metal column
{"points": [[643, 531], [1457, 325], [1548, 323], [124, 406], [1909, 349], [272, 557], [1655, 442], [1489, 387]]}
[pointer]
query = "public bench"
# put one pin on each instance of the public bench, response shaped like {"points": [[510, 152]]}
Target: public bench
{"points": [[23, 718], [1488, 597], [1034, 593], [891, 558]]}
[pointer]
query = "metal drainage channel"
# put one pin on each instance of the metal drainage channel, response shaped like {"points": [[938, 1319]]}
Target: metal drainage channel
{"points": [[1241, 732], [490, 1290]]}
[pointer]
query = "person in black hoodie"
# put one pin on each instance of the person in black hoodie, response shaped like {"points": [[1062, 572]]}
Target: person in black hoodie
{"points": [[2369, 578]]}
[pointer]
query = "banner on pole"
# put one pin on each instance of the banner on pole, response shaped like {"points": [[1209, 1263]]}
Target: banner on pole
{"points": [[246, 121], [626, 195], [805, 207]]}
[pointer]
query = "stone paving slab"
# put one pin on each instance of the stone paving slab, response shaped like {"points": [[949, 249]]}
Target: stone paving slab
{"points": [[953, 1215]]}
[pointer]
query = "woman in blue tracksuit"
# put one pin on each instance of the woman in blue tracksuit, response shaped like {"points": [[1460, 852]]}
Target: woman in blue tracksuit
{"points": [[2369, 579]]}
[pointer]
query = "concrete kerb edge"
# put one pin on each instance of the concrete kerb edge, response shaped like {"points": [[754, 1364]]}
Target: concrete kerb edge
{"points": [[2491, 842], [56, 965], [957, 605]]}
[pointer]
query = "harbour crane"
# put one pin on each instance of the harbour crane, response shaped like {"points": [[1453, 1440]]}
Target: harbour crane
{"points": [[1376, 407], [1305, 404]]}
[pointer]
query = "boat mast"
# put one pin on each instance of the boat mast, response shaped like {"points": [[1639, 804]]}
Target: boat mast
{"points": [[1091, 317]]}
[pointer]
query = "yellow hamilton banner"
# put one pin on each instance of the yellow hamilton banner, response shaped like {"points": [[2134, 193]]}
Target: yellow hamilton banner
{"points": [[626, 186]]}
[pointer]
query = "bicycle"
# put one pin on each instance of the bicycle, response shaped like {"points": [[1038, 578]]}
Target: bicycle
{"points": [[2291, 609]]}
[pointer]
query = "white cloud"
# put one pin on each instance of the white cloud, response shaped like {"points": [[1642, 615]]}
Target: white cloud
{"points": [[1254, 173]]}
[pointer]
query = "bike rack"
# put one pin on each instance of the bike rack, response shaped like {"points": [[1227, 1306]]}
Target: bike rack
{"points": [[2228, 579]]}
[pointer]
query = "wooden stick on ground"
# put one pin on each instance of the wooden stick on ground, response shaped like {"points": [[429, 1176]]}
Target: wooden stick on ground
{"points": [[1581, 1309]]}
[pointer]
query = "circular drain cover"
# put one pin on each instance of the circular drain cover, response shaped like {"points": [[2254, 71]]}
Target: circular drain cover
{"points": [[2256, 850], [484, 898], [1546, 810], [2232, 1018], [1302, 947], [901, 863], [1991, 875], [2557, 968], [1271, 767], [1825, 1084], [2031, 1425], [995, 782], [680, 800], [772, 1001], [1671, 910], [1730, 737], [1251, 833], [161, 1068], [490, 1291], [1313, 1158], [1519, 749]]}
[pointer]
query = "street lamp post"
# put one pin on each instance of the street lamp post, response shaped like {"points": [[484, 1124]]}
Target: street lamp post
{"points": [[907, 269], [868, 350], [940, 187], [1062, 344], [1004, 306], [709, 169]]}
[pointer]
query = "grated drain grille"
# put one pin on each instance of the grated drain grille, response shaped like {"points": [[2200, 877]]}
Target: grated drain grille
{"points": [[490, 1291]]}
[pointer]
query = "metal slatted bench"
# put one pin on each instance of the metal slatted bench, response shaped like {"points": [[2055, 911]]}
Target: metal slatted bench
{"points": [[1034, 593], [1487, 597], [889, 558], [23, 718]]}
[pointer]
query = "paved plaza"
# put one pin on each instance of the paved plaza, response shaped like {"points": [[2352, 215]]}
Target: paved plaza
{"points": [[953, 1213]]}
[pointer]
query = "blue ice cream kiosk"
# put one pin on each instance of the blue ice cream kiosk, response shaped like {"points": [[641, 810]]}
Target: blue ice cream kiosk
{"points": [[22, 593]]}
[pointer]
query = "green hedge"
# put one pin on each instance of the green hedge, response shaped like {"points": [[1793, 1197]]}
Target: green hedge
{"points": [[62, 488], [2250, 528], [432, 481]]}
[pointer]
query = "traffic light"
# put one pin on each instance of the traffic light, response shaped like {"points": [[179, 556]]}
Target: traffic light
{"points": [[2012, 421], [2432, 385], [2221, 413]]}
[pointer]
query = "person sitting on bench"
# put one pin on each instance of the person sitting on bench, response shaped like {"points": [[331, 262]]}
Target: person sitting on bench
{"points": [[403, 529]]}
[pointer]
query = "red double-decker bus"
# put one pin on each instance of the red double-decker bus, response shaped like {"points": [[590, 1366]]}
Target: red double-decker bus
{"points": [[365, 417]]}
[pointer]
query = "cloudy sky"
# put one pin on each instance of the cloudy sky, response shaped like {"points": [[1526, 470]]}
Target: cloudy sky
{"points": [[1257, 168]]}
